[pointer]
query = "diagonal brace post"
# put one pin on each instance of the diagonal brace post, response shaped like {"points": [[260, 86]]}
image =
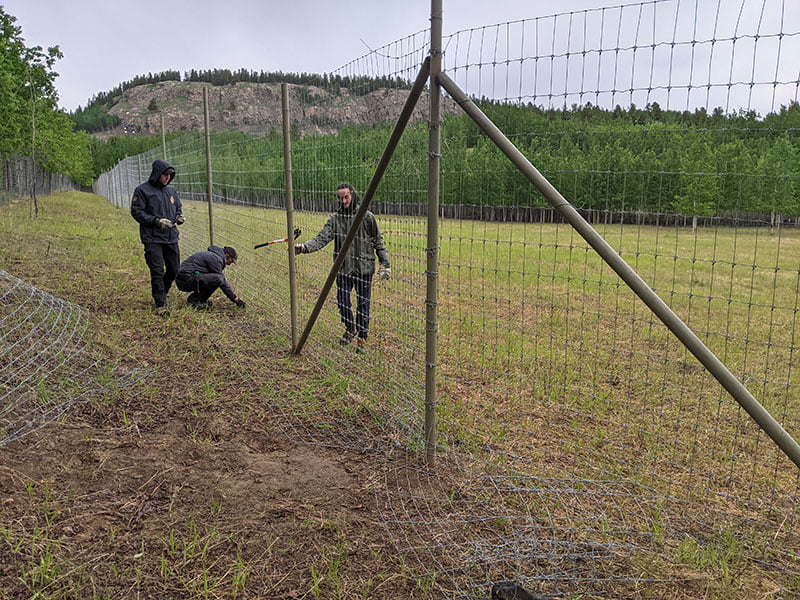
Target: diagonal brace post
{"points": [[391, 145]]}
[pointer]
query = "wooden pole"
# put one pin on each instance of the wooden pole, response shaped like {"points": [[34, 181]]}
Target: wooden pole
{"points": [[287, 167]]}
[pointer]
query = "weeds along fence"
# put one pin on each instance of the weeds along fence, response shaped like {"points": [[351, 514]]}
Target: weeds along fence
{"points": [[582, 449]]}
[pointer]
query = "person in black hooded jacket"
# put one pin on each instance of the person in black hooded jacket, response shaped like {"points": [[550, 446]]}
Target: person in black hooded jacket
{"points": [[201, 274], [157, 208]]}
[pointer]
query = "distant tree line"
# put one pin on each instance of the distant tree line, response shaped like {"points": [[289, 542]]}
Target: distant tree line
{"points": [[688, 162], [106, 99], [332, 83], [606, 161]]}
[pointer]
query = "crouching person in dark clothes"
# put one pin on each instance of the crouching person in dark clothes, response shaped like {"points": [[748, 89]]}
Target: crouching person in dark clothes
{"points": [[157, 209], [201, 274]]}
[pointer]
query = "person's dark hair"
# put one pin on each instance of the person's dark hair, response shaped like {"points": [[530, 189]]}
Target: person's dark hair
{"points": [[230, 251]]}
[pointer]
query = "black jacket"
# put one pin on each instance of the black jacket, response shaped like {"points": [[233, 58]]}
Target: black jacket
{"points": [[211, 261], [153, 201]]}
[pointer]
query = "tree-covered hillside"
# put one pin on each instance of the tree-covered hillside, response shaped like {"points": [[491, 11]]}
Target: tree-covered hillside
{"points": [[95, 117], [623, 161]]}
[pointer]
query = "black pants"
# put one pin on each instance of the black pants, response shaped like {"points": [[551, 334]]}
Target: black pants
{"points": [[363, 287], [201, 285], [163, 261]]}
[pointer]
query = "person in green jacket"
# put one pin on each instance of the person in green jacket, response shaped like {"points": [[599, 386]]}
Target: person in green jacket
{"points": [[358, 268]]}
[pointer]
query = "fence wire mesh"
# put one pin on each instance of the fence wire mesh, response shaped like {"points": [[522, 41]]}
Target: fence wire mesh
{"points": [[582, 449], [23, 176], [45, 366]]}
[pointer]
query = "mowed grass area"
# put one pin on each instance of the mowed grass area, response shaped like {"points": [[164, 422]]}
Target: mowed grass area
{"points": [[529, 312], [549, 367]]}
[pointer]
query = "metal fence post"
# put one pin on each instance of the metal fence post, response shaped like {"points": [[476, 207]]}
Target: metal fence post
{"points": [[127, 186], [287, 167], [164, 137], [209, 183], [432, 250]]}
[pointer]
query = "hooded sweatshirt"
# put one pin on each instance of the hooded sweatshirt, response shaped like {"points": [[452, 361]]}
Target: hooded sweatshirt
{"points": [[153, 201], [203, 263], [368, 242]]}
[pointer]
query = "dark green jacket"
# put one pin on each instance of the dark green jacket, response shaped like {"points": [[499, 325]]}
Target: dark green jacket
{"points": [[368, 242]]}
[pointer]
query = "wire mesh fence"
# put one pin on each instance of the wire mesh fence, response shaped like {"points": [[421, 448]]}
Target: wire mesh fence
{"points": [[582, 449], [22, 176], [45, 366]]}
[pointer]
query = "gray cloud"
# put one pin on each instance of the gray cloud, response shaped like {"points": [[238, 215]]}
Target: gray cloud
{"points": [[105, 43]]}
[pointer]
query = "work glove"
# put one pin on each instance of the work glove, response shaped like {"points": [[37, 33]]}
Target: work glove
{"points": [[300, 249], [239, 302], [164, 223], [179, 219], [384, 273]]}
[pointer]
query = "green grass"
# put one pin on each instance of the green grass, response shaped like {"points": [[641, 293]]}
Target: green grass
{"points": [[83, 518], [548, 367]]}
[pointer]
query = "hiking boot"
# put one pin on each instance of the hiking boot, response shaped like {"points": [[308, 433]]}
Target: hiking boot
{"points": [[361, 345], [347, 337], [161, 311], [200, 305]]}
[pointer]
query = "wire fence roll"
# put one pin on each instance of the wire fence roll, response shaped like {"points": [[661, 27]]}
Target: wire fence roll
{"points": [[45, 367]]}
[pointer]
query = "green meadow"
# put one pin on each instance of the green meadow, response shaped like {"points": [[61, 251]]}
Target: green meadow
{"points": [[549, 369]]}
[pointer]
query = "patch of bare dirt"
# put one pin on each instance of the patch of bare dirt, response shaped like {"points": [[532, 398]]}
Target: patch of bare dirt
{"points": [[142, 502]]}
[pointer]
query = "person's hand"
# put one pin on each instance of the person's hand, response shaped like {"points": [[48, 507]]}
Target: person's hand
{"points": [[239, 302], [180, 219], [164, 223], [299, 248], [384, 273]]}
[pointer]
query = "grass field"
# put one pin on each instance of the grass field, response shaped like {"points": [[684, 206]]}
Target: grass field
{"points": [[187, 484], [567, 418]]}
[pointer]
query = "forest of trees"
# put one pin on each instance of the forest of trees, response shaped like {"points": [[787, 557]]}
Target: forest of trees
{"points": [[333, 83], [691, 163], [31, 124], [648, 160]]}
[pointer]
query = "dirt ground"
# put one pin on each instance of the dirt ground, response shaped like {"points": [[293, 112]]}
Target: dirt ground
{"points": [[119, 488], [185, 484]]}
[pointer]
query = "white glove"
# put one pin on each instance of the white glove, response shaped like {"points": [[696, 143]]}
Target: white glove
{"points": [[384, 273], [165, 224], [300, 249]]}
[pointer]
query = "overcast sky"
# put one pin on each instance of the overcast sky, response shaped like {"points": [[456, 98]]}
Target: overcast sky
{"points": [[107, 42]]}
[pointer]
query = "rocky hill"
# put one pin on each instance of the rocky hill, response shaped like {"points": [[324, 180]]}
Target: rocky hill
{"points": [[254, 108]]}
